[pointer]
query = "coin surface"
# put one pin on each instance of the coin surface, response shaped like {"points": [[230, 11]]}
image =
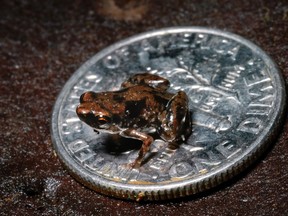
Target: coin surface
{"points": [[236, 95]]}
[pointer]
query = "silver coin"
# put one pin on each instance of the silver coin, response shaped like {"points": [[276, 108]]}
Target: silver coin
{"points": [[237, 98]]}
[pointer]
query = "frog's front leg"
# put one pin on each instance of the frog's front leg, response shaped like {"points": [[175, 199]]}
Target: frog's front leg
{"points": [[147, 141], [152, 80]]}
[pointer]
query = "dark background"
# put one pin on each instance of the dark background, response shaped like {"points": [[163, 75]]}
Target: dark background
{"points": [[42, 43]]}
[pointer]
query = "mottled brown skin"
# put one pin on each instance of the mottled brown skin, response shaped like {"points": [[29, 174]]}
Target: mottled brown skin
{"points": [[140, 107]]}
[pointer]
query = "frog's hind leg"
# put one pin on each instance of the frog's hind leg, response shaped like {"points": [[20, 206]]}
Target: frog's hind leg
{"points": [[177, 124], [152, 80]]}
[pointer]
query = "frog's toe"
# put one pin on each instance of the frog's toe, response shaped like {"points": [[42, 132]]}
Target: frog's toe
{"points": [[136, 164], [133, 165]]}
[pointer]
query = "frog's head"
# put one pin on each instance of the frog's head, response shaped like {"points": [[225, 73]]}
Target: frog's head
{"points": [[92, 113]]}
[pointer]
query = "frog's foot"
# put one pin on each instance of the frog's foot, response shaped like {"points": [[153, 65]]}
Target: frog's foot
{"points": [[152, 80], [173, 145], [129, 166], [147, 141], [133, 165], [177, 124]]}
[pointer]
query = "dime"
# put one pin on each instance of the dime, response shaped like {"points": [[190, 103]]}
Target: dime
{"points": [[237, 98]]}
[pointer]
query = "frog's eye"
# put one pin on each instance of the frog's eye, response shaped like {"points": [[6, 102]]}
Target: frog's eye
{"points": [[103, 120]]}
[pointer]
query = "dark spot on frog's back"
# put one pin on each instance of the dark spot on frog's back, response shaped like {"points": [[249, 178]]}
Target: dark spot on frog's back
{"points": [[160, 100], [134, 108], [118, 98]]}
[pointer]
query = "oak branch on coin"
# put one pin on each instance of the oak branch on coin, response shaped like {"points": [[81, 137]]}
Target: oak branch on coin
{"points": [[142, 106]]}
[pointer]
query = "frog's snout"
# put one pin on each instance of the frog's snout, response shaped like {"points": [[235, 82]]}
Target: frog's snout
{"points": [[81, 111], [85, 114]]}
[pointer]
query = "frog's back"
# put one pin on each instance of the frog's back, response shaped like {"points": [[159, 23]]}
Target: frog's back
{"points": [[140, 105], [138, 92]]}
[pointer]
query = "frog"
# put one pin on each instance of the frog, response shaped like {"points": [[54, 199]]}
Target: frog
{"points": [[141, 107]]}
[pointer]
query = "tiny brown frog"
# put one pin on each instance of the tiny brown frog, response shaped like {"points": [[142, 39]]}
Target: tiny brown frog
{"points": [[142, 106]]}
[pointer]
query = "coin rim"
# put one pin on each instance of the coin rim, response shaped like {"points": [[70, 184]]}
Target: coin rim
{"points": [[188, 186]]}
